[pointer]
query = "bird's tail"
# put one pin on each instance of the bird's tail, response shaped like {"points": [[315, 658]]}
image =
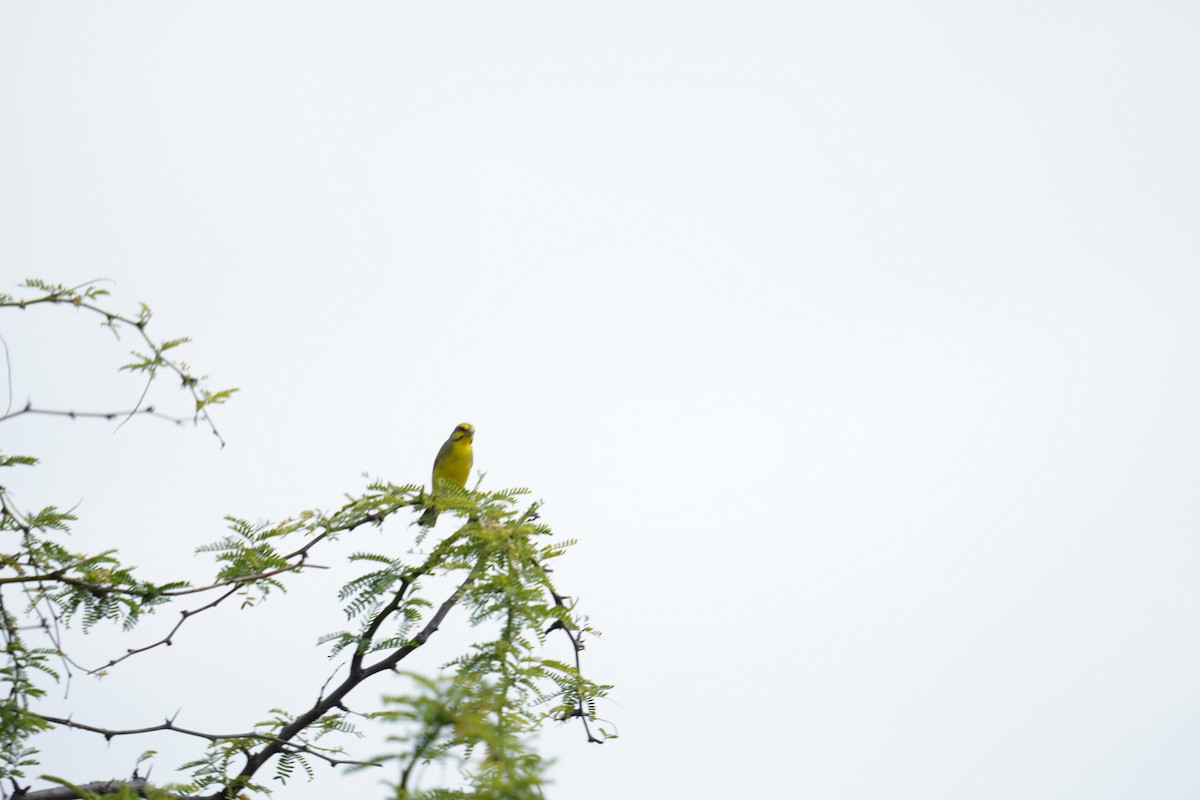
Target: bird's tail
{"points": [[429, 518]]}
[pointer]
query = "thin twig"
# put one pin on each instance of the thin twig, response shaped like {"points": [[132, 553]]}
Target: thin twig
{"points": [[166, 640], [169, 725], [576, 648], [108, 415]]}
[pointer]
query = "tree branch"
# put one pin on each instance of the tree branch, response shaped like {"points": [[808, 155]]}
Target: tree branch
{"points": [[183, 617], [333, 700], [169, 725], [368, 635], [98, 787], [576, 648], [108, 415], [61, 295], [300, 555]]}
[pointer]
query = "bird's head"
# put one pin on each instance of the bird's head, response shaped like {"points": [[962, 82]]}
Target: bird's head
{"points": [[465, 430]]}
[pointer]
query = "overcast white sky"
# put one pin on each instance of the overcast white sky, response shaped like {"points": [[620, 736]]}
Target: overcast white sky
{"points": [[856, 343]]}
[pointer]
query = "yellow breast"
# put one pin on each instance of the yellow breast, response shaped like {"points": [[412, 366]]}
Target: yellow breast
{"points": [[453, 462]]}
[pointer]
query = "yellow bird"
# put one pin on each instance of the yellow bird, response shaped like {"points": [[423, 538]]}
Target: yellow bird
{"points": [[453, 463]]}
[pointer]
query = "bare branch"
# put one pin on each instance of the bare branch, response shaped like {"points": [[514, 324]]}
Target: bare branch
{"points": [[576, 648], [169, 725], [108, 415]]}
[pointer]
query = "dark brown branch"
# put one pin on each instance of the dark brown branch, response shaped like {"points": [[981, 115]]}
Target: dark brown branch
{"points": [[368, 635], [364, 642], [334, 699]]}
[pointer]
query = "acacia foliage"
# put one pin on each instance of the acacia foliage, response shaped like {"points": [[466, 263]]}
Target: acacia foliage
{"points": [[477, 711]]}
